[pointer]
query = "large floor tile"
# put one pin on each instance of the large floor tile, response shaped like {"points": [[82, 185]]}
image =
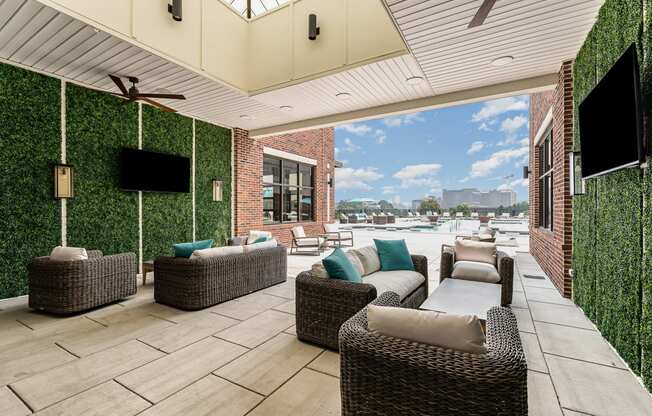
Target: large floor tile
{"points": [[549, 295], [577, 343], [529, 282], [328, 362], [559, 314], [518, 300], [107, 399], [573, 413], [284, 290], [165, 376], [26, 359], [309, 393], [269, 365], [533, 354], [291, 330], [187, 332], [209, 396], [10, 405], [541, 397], [287, 307], [597, 389], [260, 328], [52, 386], [523, 320], [247, 306]]}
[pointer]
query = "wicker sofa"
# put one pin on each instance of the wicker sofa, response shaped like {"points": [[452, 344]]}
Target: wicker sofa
{"points": [[382, 375], [198, 283], [324, 304], [63, 287], [504, 264]]}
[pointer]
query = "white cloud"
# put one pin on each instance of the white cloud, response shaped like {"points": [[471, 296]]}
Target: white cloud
{"points": [[513, 184], [398, 121], [350, 146], [484, 127], [512, 125], [485, 167], [380, 136], [494, 108], [388, 190], [357, 129], [397, 202], [349, 178], [475, 147], [422, 175]]}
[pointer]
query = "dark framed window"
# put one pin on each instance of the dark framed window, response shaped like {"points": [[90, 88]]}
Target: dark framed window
{"points": [[546, 181], [288, 191]]}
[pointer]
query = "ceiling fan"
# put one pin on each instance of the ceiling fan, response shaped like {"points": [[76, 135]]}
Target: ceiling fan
{"points": [[482, 13], [132, 94]]}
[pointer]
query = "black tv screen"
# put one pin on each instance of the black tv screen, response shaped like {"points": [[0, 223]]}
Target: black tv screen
{"points": [[611, 120], [141, 170]]}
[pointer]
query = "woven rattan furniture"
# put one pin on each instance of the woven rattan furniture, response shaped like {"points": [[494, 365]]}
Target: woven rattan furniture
{"points": [[382, 375], [63, 287], [504, 264], [323, 304], [198, 283]]}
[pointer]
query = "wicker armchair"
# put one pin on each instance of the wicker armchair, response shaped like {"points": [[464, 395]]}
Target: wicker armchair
{"points": [[382, 375], [63, 287], [504, 264], [199, 283], [323, 305]]}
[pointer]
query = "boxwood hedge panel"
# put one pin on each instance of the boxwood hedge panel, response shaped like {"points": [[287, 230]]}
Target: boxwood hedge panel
{"points": [[584, 218], [618, 262], [619, 25], [30, 131], [212, 161], [101, 216], [167, 217], [584, 79]]}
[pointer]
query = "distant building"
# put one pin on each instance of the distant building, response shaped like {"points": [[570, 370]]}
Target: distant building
{"points": [[416, 204], [478, 199]]}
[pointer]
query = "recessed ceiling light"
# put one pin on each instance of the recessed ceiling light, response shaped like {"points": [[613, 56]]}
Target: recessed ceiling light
{"points": [[286, 108], [502, 61], [245, 117], [343, 95], [414, 80]]}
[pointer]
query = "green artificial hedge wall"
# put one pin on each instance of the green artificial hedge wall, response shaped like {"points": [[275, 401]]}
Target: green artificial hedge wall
{"points": [[167, 217], [612, 232], [212, 161], [30, 131], [101, 216]]}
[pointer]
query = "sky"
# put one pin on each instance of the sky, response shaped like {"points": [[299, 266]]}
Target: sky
{"points": [[401, 158]]}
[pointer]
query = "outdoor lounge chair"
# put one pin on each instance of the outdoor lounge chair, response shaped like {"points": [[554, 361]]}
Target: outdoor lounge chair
{"points": [[380, 219], [302, 244], [391, 219], [63, 287], [336, 237], [491, 215], [447, 215], [485, 235], [387, 376], [503, 264], [459, 215]]}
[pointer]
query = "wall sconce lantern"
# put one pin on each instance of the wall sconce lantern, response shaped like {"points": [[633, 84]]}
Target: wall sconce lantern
{"points": [[63, 181], [313, 29], [577, 183], [175, 9], [217, 191]]}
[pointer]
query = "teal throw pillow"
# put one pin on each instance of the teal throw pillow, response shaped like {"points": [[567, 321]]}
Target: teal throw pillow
{"points": [[260, 239], [340, 267], [186, 249], [394, 255]]}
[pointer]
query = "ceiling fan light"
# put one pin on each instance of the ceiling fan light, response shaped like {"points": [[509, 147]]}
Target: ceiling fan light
{"points": [[415, 80], [343, 96], [502, 60]]}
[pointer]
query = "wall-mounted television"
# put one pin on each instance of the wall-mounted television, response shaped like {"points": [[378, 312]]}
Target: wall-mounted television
{"points": [[142, 170], [611, 125]]}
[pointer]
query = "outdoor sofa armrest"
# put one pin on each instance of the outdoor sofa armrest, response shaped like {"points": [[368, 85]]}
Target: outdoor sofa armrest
{"points": [[421, 265], [446, 264], [238, 241], [94, 254], [505, 266]]}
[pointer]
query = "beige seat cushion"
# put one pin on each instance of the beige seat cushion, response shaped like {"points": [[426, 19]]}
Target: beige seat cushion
{"points": [[485, 236], [369, 258], [401, 282], [468, 250], [318, 269], [476, 271], [261, 246], [216, 252], [457, 332], [310, 242]]}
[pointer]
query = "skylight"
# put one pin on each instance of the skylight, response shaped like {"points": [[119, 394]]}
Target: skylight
{"points": [[258, 7]]}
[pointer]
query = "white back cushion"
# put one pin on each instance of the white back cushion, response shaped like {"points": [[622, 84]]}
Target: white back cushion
{"points": [[368, 256], [331, 228], [468, 250], [298, 232], [457, 332], [60, 253], [216, 252], [261, 246]]}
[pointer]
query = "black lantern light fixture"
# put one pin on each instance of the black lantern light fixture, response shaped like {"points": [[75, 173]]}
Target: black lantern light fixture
{"points": [[63, 181], [176, 10], [313, 29]]}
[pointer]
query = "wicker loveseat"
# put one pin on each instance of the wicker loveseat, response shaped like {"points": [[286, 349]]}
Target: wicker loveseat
{"points": [[202, 282], [324, 304], [63, 287], [382, 375]]}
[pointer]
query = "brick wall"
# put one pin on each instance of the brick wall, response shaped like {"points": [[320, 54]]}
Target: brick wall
{"points": [[553, 249], [248, 158]]}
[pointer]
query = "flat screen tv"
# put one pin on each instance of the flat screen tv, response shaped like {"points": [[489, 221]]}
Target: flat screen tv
{"points": [[611, 126], [141, 170]]}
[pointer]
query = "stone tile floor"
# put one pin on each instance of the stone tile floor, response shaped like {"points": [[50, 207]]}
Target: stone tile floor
{"points": [[243, 358]]}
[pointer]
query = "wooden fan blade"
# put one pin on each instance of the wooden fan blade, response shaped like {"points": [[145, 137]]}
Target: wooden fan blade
{"points": [[169, 96], [482, 13], [159, 105], [117, 81]]}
